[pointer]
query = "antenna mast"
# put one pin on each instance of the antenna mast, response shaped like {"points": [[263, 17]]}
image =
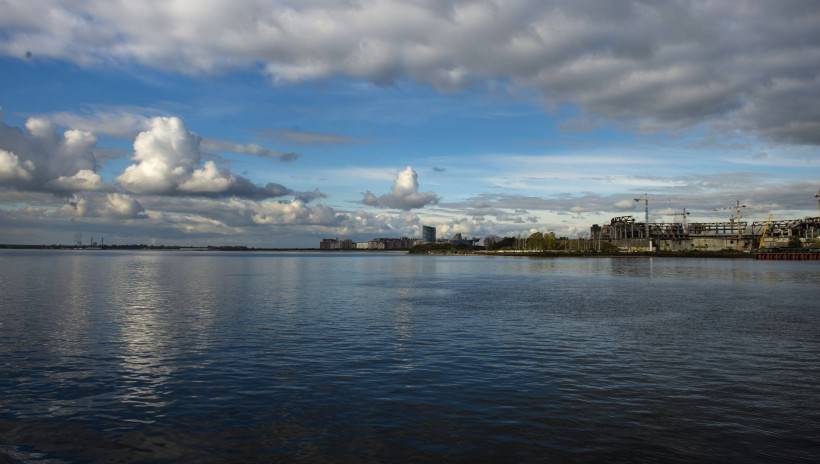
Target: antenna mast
{"points": [[736, 220], [645, 201], [818, 201]]}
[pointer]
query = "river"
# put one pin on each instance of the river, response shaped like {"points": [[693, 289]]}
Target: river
{"points": [[385, 357]]}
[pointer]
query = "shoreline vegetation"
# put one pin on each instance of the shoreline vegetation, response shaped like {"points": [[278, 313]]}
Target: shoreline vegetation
{"points": [[448, 249]]}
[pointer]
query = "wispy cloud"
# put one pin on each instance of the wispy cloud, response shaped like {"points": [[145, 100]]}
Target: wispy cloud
{"points": [[357, 174], [644, 181], [217, 145], [310, 138], [116, 121]]}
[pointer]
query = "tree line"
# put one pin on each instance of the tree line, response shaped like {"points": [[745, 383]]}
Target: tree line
{"points": [[538, 241]]}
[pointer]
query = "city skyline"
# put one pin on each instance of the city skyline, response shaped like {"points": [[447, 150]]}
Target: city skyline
{"points": [[281, 123]]}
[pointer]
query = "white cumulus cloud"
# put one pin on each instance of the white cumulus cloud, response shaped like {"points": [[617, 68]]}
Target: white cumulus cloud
{"points": [[166, 154], [111, 205], [208, 179], [168, 161], [123, 206], [404, 195], [12, 169], [84, 179], [40, 158]]}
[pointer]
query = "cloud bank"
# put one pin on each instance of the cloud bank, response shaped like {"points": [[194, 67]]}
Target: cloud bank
{"points": [[309, 138], [167, 187], [743, 64]]}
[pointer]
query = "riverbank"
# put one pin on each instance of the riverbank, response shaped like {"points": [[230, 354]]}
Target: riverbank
{"points": [[577, 254], [656, 254], [446, 249], [180, 248]]}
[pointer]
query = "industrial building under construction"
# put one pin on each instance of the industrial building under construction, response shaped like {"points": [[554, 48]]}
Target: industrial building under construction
{"points": [[627, 234], [735, 234]]}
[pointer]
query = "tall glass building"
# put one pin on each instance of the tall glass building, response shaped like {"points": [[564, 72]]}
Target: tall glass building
{"points": [[428, 234]]}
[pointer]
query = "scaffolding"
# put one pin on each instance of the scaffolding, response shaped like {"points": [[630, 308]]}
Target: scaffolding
{"points": [[625, 228]]}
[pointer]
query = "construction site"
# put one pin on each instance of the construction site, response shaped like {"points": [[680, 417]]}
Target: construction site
{"points": [[736, 234]]}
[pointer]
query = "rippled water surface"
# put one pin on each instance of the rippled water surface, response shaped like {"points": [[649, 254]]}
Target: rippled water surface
{"points": [[345, 357]]}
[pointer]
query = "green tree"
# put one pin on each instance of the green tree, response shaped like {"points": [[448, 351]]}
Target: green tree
{"points": [[535, 241], [550, 242], [505, 243]]}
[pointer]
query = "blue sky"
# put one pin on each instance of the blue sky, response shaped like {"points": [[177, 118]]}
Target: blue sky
{"points": [[512, 117]]}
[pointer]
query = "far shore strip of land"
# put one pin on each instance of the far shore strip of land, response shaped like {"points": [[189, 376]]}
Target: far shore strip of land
{"points": [[421, 250]]}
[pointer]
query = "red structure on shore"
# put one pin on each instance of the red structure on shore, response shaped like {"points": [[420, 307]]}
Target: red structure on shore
{"points": [[813, 255]]}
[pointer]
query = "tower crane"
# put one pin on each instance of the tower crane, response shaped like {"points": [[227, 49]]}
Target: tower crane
{"points": [[645, 201], [765, 231], [683, 216], [738, 211]]}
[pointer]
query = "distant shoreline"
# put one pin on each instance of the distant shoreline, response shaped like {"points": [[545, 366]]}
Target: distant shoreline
{"points": [[174, 248], [463, 252], [726, 254]]}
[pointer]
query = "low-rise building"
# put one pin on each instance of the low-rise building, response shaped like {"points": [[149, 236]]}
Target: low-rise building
{"points": [[383, 243], [336, 244], [329, 244], [403, 243], [458, 240]]}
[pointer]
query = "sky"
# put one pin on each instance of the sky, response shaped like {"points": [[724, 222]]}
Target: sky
{"points": [[278, 123]]}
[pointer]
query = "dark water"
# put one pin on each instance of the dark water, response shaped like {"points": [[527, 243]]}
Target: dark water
{"points": [[201, 357]]}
